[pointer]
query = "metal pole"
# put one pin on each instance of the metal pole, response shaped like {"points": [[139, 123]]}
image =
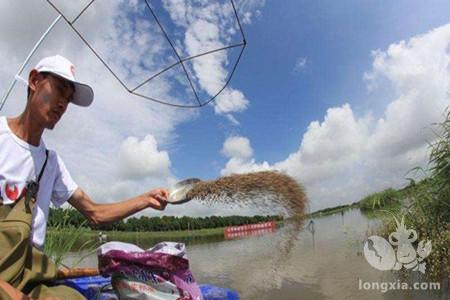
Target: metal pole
{"points": [[13, 82]]}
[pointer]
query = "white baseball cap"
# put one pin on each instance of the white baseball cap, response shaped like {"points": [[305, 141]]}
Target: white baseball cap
{"points": [[62, 67]]}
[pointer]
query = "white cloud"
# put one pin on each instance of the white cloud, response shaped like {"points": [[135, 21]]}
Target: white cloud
{"points": [[202, 36], [241, 165], [237, 146], [230, 101], [209, 26], [250, 9], [300, 64], [240, 152], [419, 72], [344, 157], [232, 119], [319, 141], [140, 159], [328, 148]]}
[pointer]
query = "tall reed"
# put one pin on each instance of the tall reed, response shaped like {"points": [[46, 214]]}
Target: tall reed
{"points": [[64, 238]]}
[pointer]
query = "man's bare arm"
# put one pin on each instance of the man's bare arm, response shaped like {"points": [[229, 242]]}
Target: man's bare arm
{"points": [[7, 290], [108, 213]]}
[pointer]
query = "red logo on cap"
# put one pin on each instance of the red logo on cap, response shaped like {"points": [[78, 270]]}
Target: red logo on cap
{"points": [[72, 70]]}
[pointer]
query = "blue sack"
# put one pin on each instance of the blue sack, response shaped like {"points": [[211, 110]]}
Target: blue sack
{"points": [[91, 287], [99, 288], [211, 292]]}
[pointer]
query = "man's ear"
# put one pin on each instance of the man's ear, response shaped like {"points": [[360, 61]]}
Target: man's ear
{"points": [[33, 79]]}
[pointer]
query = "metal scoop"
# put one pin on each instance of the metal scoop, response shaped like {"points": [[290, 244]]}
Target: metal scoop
{"points": [[178, 192]]}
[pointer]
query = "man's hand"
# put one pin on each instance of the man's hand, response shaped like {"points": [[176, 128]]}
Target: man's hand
{"points": [[98, 214], [157, 198]]}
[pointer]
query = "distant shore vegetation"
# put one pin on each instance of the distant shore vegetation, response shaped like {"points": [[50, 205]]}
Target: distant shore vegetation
{"points": [[72, 218]]}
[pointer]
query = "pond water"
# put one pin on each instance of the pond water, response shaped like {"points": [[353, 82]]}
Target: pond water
{"points": [[324, 262]]}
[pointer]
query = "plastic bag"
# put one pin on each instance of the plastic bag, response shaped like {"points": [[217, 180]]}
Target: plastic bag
{"points": [[158, 273]]}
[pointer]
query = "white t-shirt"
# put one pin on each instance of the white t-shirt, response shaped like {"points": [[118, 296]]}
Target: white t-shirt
{"points": [[21, 162]]}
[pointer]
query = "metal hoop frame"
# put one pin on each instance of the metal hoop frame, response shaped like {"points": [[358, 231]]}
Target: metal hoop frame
{"points": [[180, 60]]}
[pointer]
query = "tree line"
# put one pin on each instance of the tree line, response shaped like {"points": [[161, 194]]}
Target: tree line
{"points": [[59, 217]]}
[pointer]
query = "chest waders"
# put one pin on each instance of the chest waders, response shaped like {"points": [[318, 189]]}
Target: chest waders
{"points": [[21, 265]]}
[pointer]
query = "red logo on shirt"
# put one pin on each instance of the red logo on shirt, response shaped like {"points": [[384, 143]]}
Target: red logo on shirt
{"points": [[12, 194]]}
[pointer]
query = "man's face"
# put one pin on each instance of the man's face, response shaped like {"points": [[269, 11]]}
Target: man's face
{"points": [[50, 99]]}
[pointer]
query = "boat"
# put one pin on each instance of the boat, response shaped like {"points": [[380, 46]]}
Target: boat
{"points": [[97, 287]]}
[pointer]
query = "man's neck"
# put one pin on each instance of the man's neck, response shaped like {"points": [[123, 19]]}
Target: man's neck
{"points": [[26, 129]]}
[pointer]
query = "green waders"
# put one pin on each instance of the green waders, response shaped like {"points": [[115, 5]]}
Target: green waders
{"points": [[21, 265]]}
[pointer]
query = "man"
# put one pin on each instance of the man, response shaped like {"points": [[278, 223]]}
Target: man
{"points": [[51, 88]]}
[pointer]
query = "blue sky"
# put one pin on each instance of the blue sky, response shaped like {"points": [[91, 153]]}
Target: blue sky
{"points": [[336, 38], [338, 94]]}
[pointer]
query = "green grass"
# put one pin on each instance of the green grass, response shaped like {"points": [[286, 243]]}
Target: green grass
{"points": [[428, 209], [373, 206], [63, 239], [58, 238], [381, 200], [122, 235], [331, 210], [386, 212]]}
